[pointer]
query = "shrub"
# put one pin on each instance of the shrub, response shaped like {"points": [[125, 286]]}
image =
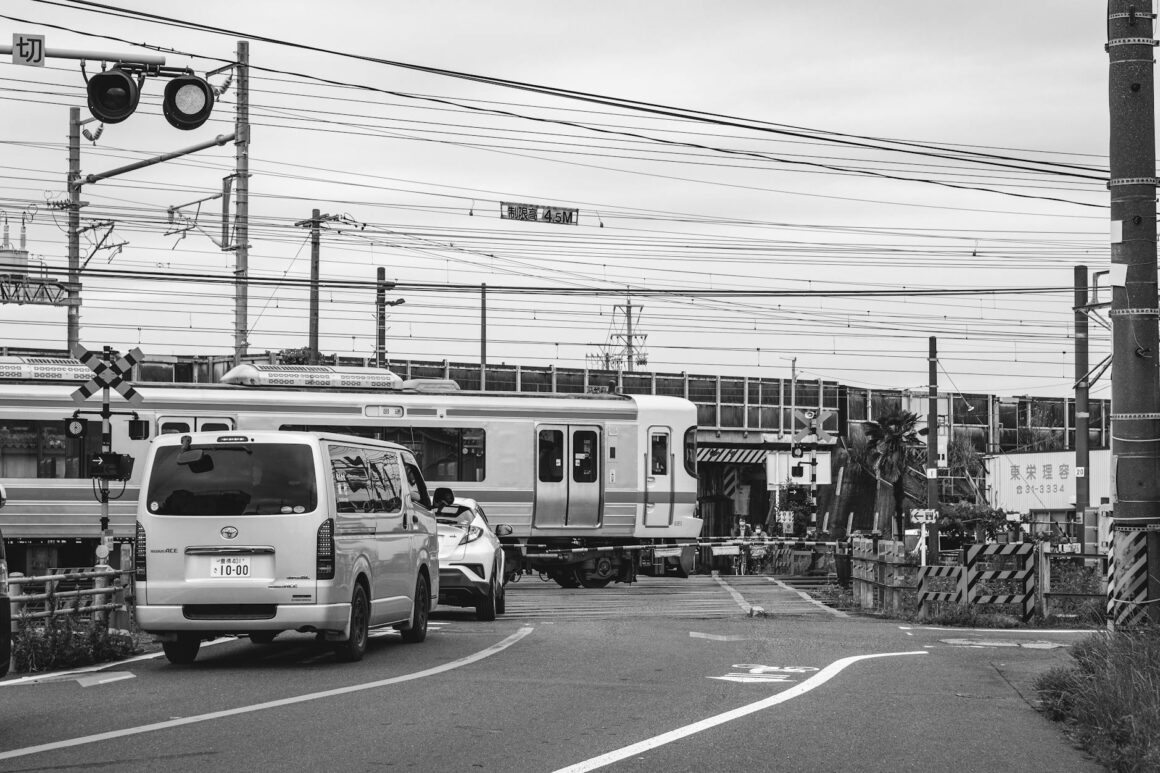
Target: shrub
{"points": [[65, 642], [1111, 698]]}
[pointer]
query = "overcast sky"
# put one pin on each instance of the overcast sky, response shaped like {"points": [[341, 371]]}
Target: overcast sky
{"points": [[780, 172]]}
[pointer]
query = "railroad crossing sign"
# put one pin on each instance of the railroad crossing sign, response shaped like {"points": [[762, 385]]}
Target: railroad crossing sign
{"points": [[108, 375], [812, 420]]}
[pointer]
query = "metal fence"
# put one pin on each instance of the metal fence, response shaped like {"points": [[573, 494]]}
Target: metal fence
{"points": [[96, 593]]}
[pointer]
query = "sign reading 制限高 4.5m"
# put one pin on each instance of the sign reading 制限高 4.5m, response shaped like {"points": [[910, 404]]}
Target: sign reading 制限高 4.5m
{"points": [[540, 213]]}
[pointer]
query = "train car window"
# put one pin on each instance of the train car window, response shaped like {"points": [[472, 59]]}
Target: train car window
{"points": [[659, 463], [585, 455], [41, 449], [444, 454], [691, 451], [551, 456]]}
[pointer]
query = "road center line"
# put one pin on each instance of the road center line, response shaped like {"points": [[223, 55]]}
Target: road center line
{"points": [[817, 680], [449, 666]]}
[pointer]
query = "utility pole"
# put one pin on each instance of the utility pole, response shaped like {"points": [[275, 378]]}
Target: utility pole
{"points": [[628, 319], [1082, 457], [483, 337], [242, 216], [315, 225], [931, 529], [380, 317], [74, 228], [1134, 560]]}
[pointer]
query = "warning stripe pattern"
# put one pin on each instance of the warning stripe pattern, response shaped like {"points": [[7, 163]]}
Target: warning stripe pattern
{"points": [[1128, 577]]}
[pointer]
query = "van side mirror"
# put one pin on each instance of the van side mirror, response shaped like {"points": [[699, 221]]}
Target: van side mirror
{"points": [[443, 496], [503, 530]]}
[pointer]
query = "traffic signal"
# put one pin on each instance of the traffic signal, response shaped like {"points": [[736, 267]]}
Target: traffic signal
{"points": [[113, 95], [188, 101]]}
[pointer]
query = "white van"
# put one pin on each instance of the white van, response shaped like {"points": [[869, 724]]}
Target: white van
{"points": [[254, 533]]}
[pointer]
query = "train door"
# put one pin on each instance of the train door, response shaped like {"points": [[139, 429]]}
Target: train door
{"points": [[658, 481], [568, 476]]}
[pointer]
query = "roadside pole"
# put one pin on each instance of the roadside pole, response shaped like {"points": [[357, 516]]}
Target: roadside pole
{"points": [[930, 531], [1134, 558]]}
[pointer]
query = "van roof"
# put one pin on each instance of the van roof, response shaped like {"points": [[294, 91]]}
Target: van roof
{"points": [[270, 436]]}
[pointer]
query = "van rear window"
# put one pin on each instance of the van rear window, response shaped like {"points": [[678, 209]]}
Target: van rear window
{"points": [[233, 479]]}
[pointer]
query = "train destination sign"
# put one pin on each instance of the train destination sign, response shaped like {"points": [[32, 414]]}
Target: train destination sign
{"points": [[539, 213]]}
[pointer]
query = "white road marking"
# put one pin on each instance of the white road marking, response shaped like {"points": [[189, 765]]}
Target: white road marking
{"points": [[110, 676], [716, 636], [745, 607], [809, 598], [449, 666], [817, 680], [1004, 631], [60, 676]]}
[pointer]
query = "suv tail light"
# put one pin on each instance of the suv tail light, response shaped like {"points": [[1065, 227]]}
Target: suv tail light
{"points": [[139, 553], [324, 552]]}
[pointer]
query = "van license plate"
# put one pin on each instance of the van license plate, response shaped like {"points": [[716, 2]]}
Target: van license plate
{"points": [[229, 566]]}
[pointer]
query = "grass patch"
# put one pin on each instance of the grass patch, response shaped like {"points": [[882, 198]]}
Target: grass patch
{"points": [[1110, 698]]}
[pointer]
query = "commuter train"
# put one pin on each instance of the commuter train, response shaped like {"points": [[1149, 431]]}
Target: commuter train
{"points": [[594, 486]]}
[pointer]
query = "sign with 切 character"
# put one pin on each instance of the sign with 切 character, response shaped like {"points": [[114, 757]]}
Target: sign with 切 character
{"points": [[28, 50]]}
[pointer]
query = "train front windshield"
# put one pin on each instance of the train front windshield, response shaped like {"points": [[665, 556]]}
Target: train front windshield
{"points": [[233, 479]]}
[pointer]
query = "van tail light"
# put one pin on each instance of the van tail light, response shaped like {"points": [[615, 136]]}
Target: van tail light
{"points": [[139, 554], [324, 552]]}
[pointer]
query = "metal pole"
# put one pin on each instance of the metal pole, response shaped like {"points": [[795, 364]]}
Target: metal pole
{"points": [[74, 228], [380, 317], [1135, 359], [315, 238], [483, 337], [628, 318], [1089, 533], [931, 531], [242, 211]]}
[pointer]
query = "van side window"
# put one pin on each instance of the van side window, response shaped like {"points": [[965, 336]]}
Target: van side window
{"points": [[354, 489], [417, 484], [387, 479]]}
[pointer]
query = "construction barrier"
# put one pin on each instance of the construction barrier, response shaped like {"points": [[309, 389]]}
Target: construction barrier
{"points": [[974, 580]]}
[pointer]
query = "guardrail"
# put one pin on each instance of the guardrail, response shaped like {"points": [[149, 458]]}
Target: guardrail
{"points": [[93, 592]]}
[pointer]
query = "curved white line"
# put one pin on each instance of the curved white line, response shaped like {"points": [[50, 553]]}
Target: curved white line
{"points": [[817, 680], [451, 665]]}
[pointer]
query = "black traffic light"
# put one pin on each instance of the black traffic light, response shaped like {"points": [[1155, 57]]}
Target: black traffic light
{"points": [[113, 95], [188, 101]]}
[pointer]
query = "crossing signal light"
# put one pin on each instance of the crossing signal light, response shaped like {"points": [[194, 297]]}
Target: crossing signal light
{"points": [[188, 101], [113, 95]]}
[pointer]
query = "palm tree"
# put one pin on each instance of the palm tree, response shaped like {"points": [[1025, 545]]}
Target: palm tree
{"points": [[891, 440]]}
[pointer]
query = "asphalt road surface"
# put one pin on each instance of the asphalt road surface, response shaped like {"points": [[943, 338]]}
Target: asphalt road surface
{"points": [[703, 674]]}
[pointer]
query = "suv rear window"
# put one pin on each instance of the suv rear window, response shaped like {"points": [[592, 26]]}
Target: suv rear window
{"points": [[233, 479]]}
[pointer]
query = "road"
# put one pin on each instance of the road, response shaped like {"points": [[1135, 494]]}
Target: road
{"points": [[708, 673]]}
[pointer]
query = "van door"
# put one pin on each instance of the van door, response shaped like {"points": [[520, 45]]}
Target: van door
{"points": [[368, 533], [568, 476], [658, 480]]}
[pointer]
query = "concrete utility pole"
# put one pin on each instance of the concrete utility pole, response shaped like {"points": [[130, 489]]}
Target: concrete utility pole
{"points": [[381, 304], [1082, 412], [74, 228], [242, 208], [1134, 560], [483, 337], [315, 224], [931, 530]]}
